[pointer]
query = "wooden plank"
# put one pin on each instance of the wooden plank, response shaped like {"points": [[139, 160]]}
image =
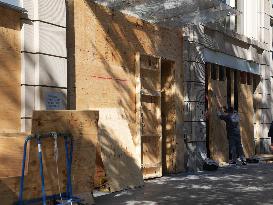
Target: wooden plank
{"points": [[150, 122], [168, 116], [150, 81], [149, 113], [151, 118], [218, 141], [118, 151], [10, 70], [138, 108], [246, 111], [11, 154]]}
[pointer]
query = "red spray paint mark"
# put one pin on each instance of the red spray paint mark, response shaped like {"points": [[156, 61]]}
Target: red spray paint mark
{"points": [[109, 78]]}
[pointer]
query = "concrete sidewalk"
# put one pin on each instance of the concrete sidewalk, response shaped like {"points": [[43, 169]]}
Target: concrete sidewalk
{"points": [[251, 184]]}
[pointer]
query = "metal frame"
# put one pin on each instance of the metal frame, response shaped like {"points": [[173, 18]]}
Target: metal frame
{"points": [[68, 195]]}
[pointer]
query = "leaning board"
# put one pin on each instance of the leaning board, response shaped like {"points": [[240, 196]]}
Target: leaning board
{"points": [[118, 150], [218, 142], [83, 127]]}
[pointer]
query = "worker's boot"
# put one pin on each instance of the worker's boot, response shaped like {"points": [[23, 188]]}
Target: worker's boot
{"points": [[232, 162], [244, 162]]}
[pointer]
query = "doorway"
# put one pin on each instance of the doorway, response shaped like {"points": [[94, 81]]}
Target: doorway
{"points": [[168, 115]]}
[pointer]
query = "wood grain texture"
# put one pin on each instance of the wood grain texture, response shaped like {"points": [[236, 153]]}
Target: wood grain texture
{"points": [[10, 70], [83, 126], [217, 128], [104, 49], [118, 151], [149, 115], [246, 112], [168, 115], [11, 154]]}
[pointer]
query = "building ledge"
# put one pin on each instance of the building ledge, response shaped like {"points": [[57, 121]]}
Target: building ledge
{"points": [[13, 7]]}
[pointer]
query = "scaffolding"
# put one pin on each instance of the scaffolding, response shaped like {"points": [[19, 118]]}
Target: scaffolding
{"points": [[173, 13]]}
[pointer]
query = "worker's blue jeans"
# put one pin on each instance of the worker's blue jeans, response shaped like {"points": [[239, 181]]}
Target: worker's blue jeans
{"points": [[236, 148]]}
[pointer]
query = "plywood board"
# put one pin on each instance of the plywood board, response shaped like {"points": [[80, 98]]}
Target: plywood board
{"points": [[168, 115], [246, 112], [105, 59], [118, 150], [150, 123], [149, 129], [11, 154], [82, 125], [218, 142], [10, 70]]}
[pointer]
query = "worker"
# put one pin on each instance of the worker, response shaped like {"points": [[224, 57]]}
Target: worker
{"points": [[270, 132], [232, 120]]}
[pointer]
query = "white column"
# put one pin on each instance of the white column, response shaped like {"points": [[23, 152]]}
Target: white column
{"points": [[44, 58]]}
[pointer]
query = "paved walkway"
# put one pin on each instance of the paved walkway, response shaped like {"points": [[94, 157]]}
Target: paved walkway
{"points": [[251, 184]]}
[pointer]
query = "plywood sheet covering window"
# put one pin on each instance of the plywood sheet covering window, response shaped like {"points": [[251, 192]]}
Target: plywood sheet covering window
{"points": [[149, 114], [246, 111], [10, 72], [218, 143], [102, 48]]}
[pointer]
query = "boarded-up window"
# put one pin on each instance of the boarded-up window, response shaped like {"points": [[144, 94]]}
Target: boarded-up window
{"points": [[214, 72], [243, 77], [222, 75], [249, 79]]}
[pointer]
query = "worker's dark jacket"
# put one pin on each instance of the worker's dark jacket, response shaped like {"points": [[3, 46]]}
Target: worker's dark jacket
{"points": [[232, 124], [270, 133]]}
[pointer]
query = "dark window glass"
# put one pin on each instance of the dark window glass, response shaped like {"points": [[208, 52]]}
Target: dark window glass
{"points": [[222, 75], [213, 72]]}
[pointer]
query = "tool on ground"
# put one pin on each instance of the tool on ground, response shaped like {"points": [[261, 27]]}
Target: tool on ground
{"points": [[65, 198]]}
